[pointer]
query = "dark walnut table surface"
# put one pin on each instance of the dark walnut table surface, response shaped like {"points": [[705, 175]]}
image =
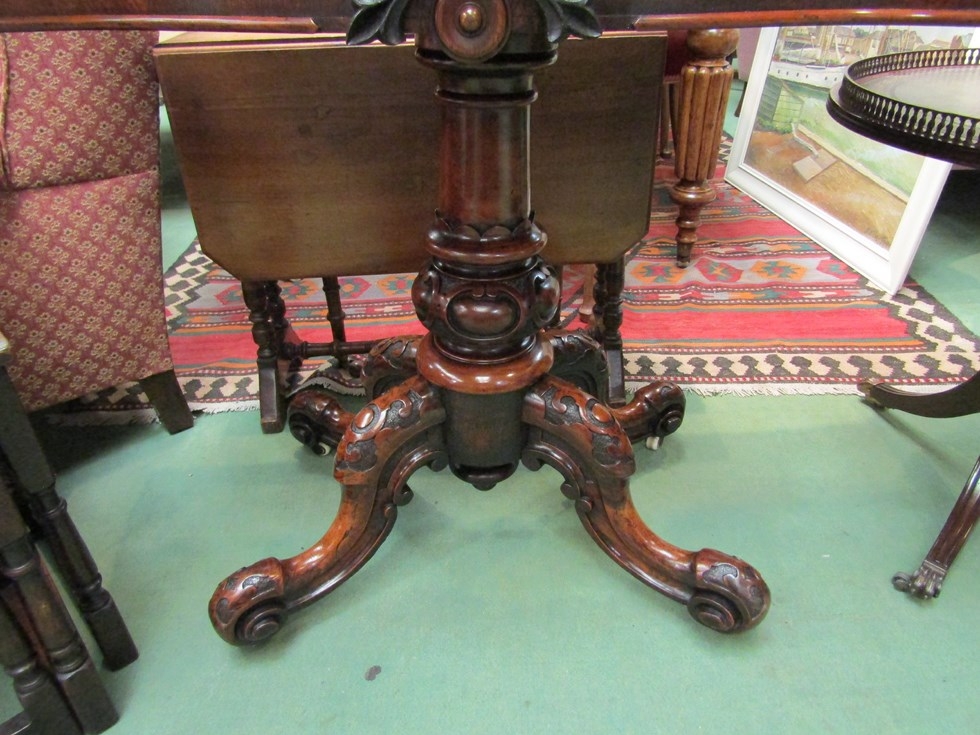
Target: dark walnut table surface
{"points": [[478, 392]]}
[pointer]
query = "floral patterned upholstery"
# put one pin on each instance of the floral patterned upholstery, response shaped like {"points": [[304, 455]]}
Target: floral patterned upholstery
{"points": [[81, 296]]}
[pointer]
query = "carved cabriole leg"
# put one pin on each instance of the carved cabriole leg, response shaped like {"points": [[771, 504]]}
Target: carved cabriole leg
{"points": [[579, 360], [578, 436], [927, 580], [317, 420], [656, 410], [705, 82], [390, 362], [385, 443]]}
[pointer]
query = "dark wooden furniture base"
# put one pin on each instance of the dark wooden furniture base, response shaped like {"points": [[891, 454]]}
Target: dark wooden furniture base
{"points": [[40, 648], [923, 102], [32, 483], [490, 386]]}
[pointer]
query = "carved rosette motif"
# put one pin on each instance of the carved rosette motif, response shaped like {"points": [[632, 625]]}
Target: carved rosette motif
{"points": [[472, 30]]}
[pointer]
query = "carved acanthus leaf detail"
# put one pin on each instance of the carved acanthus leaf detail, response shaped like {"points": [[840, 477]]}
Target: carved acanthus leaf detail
{"points": [[565, 18], [378, 20]]}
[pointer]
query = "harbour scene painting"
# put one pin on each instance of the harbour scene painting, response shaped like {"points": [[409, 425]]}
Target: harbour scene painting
{"points": [[795, 144], [867, 203]]}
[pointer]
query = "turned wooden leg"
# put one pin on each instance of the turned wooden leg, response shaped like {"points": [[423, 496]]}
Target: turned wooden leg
{"points": [[587, 308], [270, 332], [704, 86], [385, 443], [34, 593], [35, 487], [335, 315], [578, 436], [44, 708], [927, 580]]}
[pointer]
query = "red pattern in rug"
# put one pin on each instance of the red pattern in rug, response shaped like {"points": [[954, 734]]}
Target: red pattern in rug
{"points": [[761, 309]]}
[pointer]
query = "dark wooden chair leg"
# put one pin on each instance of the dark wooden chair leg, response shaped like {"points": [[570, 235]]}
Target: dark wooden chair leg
{"points": [[45, 710], [168, 401], [35, 486], [32, 590]]}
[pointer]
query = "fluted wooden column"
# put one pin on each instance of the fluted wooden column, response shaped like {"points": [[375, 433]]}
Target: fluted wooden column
{"points": [[705, 83]]}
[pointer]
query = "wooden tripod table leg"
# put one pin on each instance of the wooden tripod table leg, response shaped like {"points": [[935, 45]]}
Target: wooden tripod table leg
{"points": [[385, 443], [579, 437], [927, 580], [961, 400]]}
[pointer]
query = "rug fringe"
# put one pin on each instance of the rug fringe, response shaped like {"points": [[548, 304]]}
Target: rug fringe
{"points": [[760, 389]]}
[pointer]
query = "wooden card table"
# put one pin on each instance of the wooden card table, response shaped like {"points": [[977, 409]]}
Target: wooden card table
{"points": [[477, 394], [926, 102]]}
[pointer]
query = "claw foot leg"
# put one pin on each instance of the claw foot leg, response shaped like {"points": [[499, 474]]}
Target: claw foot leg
{"points": [[384, 444], [579, 437], [927, 581]]}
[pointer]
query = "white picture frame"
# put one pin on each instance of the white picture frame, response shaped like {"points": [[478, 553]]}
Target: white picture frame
{"points": [[866, 203]]}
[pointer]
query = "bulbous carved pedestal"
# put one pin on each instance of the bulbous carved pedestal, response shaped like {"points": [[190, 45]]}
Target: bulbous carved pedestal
{"points": [[489, 386]]}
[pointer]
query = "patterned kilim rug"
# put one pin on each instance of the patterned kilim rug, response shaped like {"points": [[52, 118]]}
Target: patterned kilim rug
{"points": [[761, 309]]}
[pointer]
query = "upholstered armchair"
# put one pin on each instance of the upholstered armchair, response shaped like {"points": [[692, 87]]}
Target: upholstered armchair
{"points": [[81, 294]]}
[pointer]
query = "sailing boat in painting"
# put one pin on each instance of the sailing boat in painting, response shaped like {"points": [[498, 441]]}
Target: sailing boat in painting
{"points": [[795, 142]]}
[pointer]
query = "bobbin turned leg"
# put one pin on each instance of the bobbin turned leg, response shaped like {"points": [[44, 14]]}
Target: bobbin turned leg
{"points": [[271, 333], [578, 436], [385, 443]]}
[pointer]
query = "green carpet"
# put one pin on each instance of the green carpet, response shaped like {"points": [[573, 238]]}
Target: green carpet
{"points": [[495, 613]]}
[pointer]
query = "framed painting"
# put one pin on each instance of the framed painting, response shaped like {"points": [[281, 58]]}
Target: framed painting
{"points": [[867, 203]]}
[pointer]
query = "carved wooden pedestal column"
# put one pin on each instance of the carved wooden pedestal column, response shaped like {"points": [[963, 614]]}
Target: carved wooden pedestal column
{"points": [[481, 391], [705, 83]]}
